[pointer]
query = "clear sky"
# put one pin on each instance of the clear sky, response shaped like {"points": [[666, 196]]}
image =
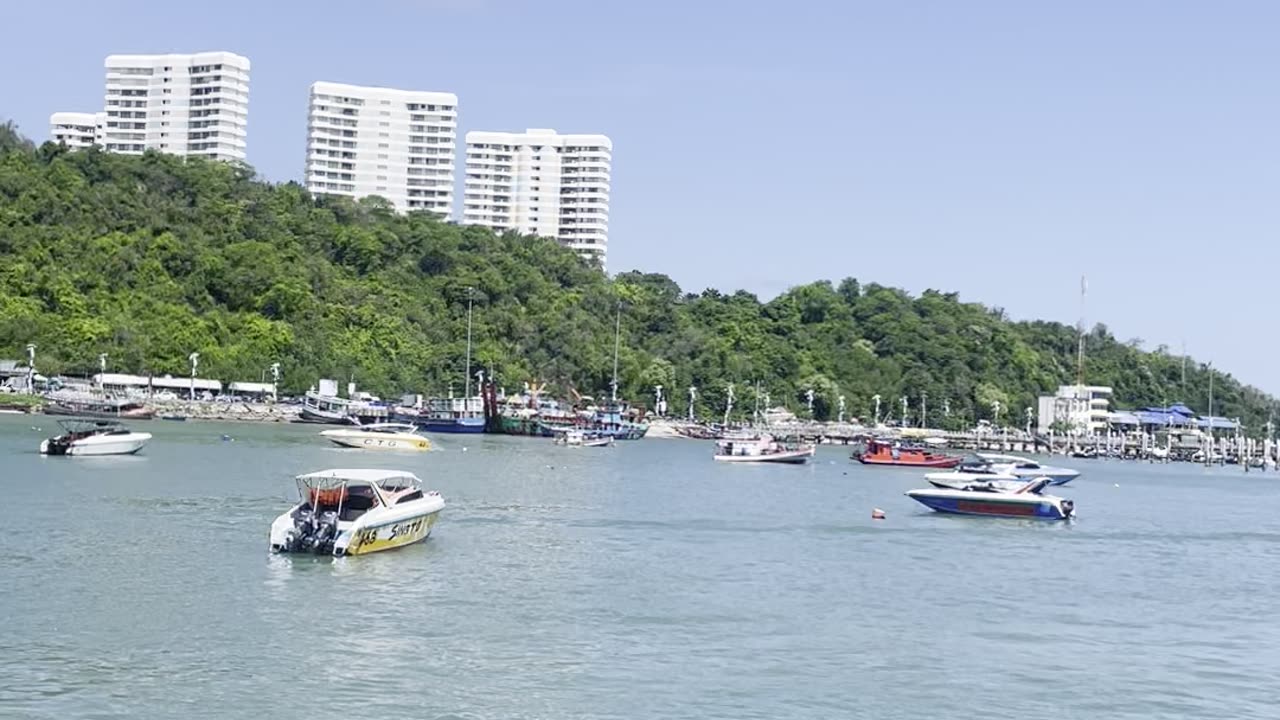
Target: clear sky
{"points": [[998, 149]]}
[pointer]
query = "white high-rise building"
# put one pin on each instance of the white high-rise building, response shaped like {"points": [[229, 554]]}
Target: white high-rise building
{"points": [[397, 144], [541, 183], [195, 105], [76, 129]]}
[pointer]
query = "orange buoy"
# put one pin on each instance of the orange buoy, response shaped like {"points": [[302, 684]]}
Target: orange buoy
{"points": [[877, 514]]}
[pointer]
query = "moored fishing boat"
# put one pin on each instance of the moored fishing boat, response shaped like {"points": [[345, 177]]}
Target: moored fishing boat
{"points": [[94, 437], [379, 436], [324, 409], [578, 438], [355, 512], [1027, 501], [881, 452], [97, 407], [761, 449]]}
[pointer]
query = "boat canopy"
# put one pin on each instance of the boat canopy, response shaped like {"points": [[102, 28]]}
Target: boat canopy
{"points": [[362, 475], [82, 425], [330, 486]]}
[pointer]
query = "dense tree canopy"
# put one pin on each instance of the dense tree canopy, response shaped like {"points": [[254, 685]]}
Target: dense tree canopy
{"points": [[150, 258]]}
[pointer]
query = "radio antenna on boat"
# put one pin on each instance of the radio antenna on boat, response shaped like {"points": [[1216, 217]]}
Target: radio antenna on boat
{"points": [[466, 403], [1084, 287], [617, 337]]}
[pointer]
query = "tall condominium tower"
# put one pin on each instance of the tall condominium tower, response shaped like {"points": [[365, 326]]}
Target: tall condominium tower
{"points": [[195, 105], [398, 144], [541, 183]]}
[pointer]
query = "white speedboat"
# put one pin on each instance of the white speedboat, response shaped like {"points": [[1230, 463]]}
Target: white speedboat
{"points": [[966, 481], [379, 436], [974, 470], [1029, 469], [94, 437], [355, 512], [578, 438], [1026, 501], [763, 449]]}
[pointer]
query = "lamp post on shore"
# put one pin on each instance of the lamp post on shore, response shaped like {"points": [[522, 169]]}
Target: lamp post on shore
{"points": [[195, 363], [31, 368]]}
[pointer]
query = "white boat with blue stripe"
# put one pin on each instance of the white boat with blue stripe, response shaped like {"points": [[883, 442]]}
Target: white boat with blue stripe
{"points": [[1027, 501]]}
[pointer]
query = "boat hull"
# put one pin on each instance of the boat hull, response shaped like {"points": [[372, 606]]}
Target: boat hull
{"points": [[959, 502], [792, 457], [96, 446], [462, 426], [390, 535], [347, 439], [942, 462]]}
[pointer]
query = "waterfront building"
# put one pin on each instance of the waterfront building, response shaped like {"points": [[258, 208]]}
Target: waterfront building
{"points": [[1083, 408], [185, 104], [76, 129], [542, 183], [397, 144]]}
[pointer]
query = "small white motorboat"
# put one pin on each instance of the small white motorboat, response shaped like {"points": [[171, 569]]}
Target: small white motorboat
{"points": [[1029, 469], [762, 449], [1026, 501], [578, 438], [355, 512], [379, 436], [94, 437]]}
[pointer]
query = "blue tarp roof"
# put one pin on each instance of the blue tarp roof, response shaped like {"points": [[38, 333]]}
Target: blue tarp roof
{"points": [[1158, 416], [1216, 423]]}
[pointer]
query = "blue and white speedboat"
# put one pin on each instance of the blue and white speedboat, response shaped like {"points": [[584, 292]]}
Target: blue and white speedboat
{"points": [[997, 501], [1028, 469]]}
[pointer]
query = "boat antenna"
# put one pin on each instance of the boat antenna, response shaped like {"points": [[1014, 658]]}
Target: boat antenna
{"points": [[1084, 287], [617, 337], [467, 397]]}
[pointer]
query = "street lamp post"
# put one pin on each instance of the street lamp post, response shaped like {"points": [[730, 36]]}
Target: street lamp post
{"points": [[31, 368], [904, 411], [195, 363], [876, 398], [275, 382], [924, 410]]}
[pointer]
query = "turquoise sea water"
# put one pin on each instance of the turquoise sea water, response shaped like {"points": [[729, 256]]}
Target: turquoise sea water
{"points": [[639, 581]]}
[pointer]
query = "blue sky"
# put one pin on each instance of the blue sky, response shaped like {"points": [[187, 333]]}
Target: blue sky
{"points": [[998, 149]]}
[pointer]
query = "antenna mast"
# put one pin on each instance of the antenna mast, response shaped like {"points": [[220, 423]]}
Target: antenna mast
{"points": [[1084, 287]]}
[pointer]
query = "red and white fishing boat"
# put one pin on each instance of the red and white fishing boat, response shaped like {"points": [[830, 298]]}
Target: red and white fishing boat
{"points": [[883, 452]]}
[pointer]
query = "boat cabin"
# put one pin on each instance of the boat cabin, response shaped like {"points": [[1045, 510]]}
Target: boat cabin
{"points": [[351, 493]]}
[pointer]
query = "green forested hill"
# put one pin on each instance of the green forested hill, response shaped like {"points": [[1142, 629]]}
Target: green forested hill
{"points": [[150, 258]]}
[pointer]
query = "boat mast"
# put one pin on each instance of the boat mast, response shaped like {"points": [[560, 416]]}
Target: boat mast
{"points": [[617, 337], [1084, 285], [467, 401]]}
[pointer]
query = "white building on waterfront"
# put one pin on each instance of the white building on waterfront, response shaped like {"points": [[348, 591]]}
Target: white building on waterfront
{"points": [[76, 129], [398, 144], [189, 105], [541, 183], [1085, 409]]}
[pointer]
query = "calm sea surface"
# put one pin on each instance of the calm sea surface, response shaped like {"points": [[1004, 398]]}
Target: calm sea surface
{"points": [[641, 581]]}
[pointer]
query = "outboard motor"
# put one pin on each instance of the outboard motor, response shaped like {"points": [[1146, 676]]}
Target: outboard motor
{"points": [[326, 530], [1068, 508]]}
